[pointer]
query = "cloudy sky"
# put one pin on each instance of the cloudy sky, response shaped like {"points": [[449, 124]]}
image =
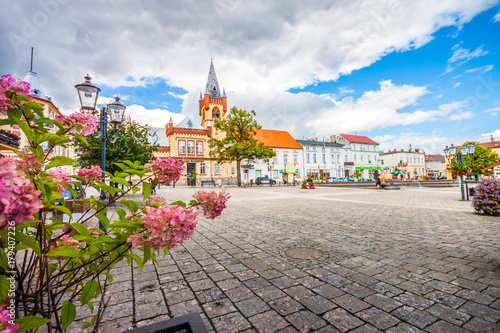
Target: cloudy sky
{"points": [[402, 72]]}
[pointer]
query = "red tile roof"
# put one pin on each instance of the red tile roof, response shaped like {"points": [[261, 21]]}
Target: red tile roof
{"points": [[431, 158], [491, 166], [277, 139], [494, 144], [359, 139]]}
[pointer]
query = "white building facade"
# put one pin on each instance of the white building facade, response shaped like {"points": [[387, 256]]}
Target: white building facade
{"points": [[324, 160], [411, 161], [363, 155]]}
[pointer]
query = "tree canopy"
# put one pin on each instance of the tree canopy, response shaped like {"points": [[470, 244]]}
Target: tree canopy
{"points": [[483, 157], [239, 143], [131, 144]]}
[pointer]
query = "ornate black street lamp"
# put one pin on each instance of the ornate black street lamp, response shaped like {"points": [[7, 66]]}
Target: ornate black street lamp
{"points": [[463, 156], [88, 94]]}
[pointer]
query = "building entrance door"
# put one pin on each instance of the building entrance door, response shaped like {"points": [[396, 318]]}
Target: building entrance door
{"points": [[190, 168]]}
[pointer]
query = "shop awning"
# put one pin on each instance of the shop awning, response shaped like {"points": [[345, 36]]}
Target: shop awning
{"points": [[367, 168]]}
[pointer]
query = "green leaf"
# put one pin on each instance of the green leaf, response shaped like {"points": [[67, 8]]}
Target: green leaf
{"points": [[104, 239], [125, 224], [135, 190], [62, 209], [147, 254], [131, 205], [82, 230], [109, 277], [80, 137], [137, 260], [146, 189], [4, 263], [120, 181], [178, 203], [68, 314], [4, 287], [88, 291], [121, 213], [104, 219], [25, 128], [59, 161], [28, 241], [30, 323], [64, 251]]}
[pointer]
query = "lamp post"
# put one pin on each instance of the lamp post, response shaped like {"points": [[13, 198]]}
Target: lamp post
{"points": [[270, 167], [463, 156], [88, 94]]}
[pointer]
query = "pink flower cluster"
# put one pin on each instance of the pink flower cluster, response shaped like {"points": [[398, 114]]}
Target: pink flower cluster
{"points": [[166, 227], [60, 177], [166, 170], [27, 162], [18, 198], [6, 325], [91, 175], [78, 122], [71, 243], [8, 83], [211, 203], [156, 199]]}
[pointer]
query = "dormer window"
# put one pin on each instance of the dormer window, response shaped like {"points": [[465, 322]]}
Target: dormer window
{"points": [[190, 124]]}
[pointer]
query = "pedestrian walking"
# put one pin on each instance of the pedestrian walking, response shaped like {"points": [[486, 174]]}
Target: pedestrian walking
{"points": [[379, 183]]}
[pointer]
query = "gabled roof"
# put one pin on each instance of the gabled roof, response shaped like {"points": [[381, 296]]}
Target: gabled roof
{"points": [[319, 143], [491, 166], [359, 139], [212, 87], [493, 144], [157, 135], [188, 123], [35, 87], [277, 139], [439, 157], [430, 158]]}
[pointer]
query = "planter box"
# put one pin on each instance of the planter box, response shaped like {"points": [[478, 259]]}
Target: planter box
{"points": [[191, 323]]}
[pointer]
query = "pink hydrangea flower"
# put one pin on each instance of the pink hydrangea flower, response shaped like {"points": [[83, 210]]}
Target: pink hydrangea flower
{"points": [[8, 83], [26, 161], [166, 227], [19, 200], [78, 122], [60, 177], [166, 170], [71, 243], [5, 321], [156, 199], [91, 175], [211, 203]]}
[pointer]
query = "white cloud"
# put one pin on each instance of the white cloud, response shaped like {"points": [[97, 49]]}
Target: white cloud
{"points": [[497, 17], [493, 109], [461, 56], [439, 96], [487, 136], [430, 144], [160, 117], [462, 115], [481, 70], [260, 49], [457, 84]]}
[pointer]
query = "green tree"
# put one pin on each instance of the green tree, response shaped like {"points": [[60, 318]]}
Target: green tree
{"points": [[239, 143], [132, 144], [483, 157]]}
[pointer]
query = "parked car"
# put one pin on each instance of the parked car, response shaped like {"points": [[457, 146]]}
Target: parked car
{"points": [[258, 180], [442, 177]]}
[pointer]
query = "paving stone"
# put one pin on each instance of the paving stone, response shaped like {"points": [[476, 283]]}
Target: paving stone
{"points": [[415, 288], [218, 308], [202, 285], [305, 321], [493, 291], [446, 299], [440, 276], [380, 319], [357, 290], [317, 304], [443, 286], [285, 305], [476, 296], [414, 301], [386, 289], [421, 319], [310, 282], [403, 312], [209, 295], [496, 304], [270, 293], [231, 322], [481, 311], [404, 328], [269, 321], [366, 329], [383, 302], [245, 275], [327, 329], [172, 297], [444, 327], [299, 292], [257, 283], [351, 303], [451, 315], [342, 320], [184, 308], [284, 282], [468, 284], [328, 291], [252, 306], [229, 284], [220, 275], [480, 325]]}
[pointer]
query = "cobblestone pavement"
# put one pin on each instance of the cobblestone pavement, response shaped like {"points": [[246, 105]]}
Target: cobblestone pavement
{"points": [[389, 261]]}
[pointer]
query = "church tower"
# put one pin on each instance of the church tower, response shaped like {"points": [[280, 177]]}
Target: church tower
{"points": [[213, 105]]}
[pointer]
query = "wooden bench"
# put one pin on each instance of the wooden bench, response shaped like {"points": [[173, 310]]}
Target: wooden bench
{"points": [[203, 182]]}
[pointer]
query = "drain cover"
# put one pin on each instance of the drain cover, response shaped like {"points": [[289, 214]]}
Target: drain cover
{"points": [[304, 253]]}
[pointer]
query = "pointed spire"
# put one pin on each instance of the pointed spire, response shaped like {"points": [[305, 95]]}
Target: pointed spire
{"points": [[201, 96], [224, 92], [212, 87], [170, 121]]}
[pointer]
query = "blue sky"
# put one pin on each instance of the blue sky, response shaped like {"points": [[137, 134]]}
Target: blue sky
{"points": [[402, 72]]}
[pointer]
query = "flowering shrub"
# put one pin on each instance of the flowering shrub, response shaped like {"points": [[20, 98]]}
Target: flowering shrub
{"points": [[19, 200], [69, 263], [6, 325], [487, 197], [168, 170], [307, 183], [211, 203]]}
